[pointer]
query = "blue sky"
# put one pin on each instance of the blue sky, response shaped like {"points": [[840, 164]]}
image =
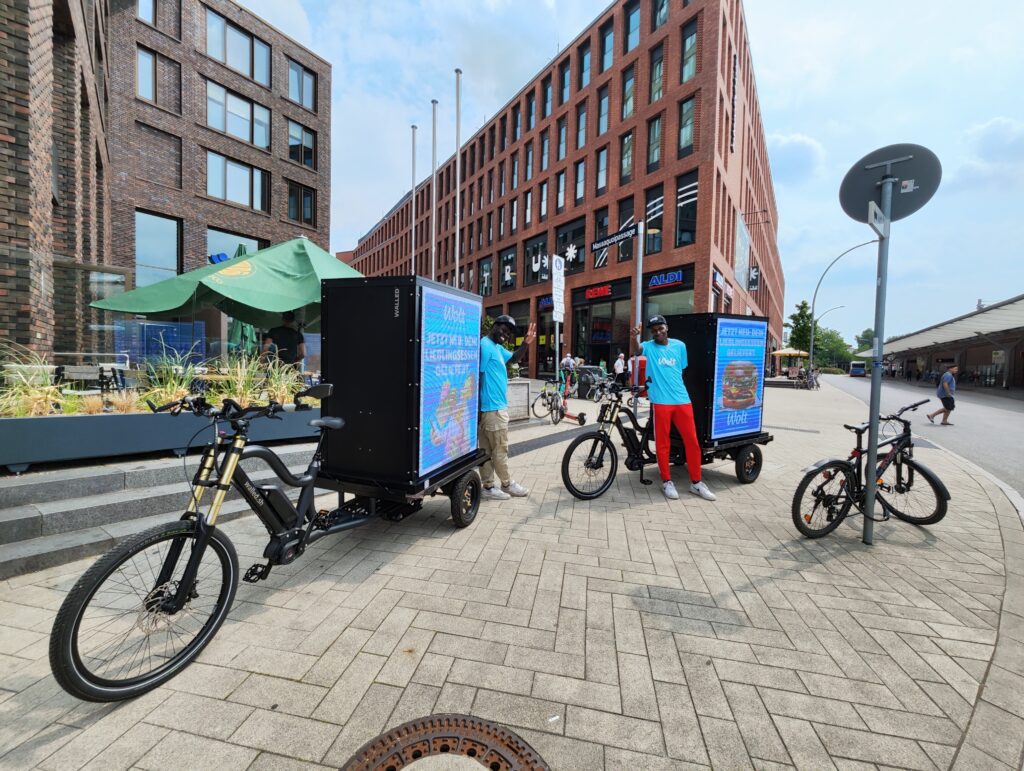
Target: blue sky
{"points": [[835, 80]]}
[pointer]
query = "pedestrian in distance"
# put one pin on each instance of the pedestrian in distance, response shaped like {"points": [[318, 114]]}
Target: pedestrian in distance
{"points": [[290, 345], [494, 360], [620, 369], [670, 405], [946, 392]]}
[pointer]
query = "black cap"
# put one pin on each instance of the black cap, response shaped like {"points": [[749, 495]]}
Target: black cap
{"points": [[507, 321], [655, 320]]}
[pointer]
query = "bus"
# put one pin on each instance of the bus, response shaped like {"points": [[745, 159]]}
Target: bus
{"points": [[858, 369]]}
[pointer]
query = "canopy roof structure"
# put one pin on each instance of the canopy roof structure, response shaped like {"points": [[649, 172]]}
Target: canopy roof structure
{"points": [[977, 326], [789, 352]]}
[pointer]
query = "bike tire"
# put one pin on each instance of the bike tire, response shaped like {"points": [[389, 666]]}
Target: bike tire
{"points": [[541, 406], [837, 502], [927, 507], [592, 442], [557, 411], [66, 659]]}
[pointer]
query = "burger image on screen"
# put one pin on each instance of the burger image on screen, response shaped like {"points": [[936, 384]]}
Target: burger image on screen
{"points": [[739, 385]]}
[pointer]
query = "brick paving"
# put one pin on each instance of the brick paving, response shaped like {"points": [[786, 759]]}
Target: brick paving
{"points": [[623, 633]]}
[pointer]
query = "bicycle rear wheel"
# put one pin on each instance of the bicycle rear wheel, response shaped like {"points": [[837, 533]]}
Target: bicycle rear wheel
{"points": [[115, 638], [911, 493], [541, 406], [589, 465], [557, 409], [823, 498]]}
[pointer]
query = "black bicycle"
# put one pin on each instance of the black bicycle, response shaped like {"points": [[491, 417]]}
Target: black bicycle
{"points": [[906, 488], [148, 607]]}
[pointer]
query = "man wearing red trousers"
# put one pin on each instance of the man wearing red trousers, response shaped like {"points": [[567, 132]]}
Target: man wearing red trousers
{"points": [[670, 403]]}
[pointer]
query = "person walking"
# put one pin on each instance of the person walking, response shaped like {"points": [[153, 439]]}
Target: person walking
{"points": [[494, 358], [946, 392], [670, 403], [620, 369]]}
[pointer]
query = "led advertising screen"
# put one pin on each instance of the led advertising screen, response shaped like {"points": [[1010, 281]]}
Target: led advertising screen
{"points": [[449, 368], [739, 377]]}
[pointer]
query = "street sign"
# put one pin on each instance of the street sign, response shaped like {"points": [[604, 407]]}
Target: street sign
{"points": [[878, 221], [558, 288], [614, 238]]}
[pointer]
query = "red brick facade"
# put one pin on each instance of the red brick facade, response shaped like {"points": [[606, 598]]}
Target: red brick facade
{"points": [[728, 153]]}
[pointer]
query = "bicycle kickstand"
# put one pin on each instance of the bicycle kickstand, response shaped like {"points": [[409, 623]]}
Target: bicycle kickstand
{"points": [[644, 480]]}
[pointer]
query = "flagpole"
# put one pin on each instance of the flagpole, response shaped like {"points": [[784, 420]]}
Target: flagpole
{"points": [[458, 169], [433, 200], [412, 235]]}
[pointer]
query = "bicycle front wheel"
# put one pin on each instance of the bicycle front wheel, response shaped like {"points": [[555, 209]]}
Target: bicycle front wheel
{"points": [[541, 406], [823, 498], [911, 493], [589, 465], [116, 636], [557, 410]]}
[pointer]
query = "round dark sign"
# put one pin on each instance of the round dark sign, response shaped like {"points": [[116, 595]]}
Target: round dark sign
{"points": [[917, 172]]}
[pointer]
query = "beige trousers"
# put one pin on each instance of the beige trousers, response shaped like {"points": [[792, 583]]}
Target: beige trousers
{"points": [[494, 439]]}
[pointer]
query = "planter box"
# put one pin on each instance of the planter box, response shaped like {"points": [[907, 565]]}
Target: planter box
{"points": [[518, 400], [24, 441]]}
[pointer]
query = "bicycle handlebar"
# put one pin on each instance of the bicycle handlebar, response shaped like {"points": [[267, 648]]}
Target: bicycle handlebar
{"points": [[908, 408], [229, 409]]}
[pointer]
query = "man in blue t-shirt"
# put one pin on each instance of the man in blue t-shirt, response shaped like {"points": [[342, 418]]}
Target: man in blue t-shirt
{"points": [[494, 358], [945, 392], [670, 405]]}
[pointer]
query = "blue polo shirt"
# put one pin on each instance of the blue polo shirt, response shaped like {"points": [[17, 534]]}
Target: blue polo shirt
{"points": [[493, 375], [665, 365]]}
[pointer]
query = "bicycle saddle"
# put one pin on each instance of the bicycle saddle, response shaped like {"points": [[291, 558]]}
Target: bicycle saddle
{"points": [[858, 429], [328, 423]]}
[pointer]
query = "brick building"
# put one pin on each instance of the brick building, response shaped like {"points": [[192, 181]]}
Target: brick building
{"points": [[198, 129], [650, 114]]}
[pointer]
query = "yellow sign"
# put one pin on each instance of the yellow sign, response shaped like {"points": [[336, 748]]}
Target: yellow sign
{"points": [[543, 339]]}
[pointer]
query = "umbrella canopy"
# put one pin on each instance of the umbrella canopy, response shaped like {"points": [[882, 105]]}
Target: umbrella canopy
{"points": [[789, 352], [255, 288]]}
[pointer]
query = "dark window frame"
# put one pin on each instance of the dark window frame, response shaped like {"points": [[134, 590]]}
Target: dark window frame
{"points": [[253, 40], [303, 71], [301, 189], [302, 146]]}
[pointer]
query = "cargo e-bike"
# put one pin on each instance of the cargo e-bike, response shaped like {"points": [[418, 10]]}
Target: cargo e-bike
{"points": [[148, 607]]}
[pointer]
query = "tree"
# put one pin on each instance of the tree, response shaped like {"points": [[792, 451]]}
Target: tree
{"points": [[830, 349], [800, 327], [866, 339]]}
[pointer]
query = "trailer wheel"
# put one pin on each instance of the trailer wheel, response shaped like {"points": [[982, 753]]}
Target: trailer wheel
{"points": [[748, 463], [465, 498]]}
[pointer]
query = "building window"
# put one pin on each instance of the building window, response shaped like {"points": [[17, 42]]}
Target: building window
{"points": [[146, 10], [528, 171], [517, 123], [581, 125], [535, 261], [237, 48], [564, 82], [301, 204], [625, 220], [501, 178], [501, 222], [581, 175], [145, 79], [237, 182], [513, 219], [507, 263], [686, 209], [659, 13], [484, 274], [653, 143], [572, 234], [157, 248], [607, 35], [301, 85], [626, 158], [632, 25], [527, 208], [531, 111], [657, 73], [560, 191], [515, 170], [686, 127], [563, 131], [654, 218], [301, 144], [237, 116], [545, 91], [600, 231], [544, 150], [689, 66], [602, 110], [543, 200], [602, 170], [584, 58], [223, 242], [504, 131], [628, 89]]}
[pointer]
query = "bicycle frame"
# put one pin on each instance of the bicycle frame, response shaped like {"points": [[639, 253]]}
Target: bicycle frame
{"points": [[901, 444]]}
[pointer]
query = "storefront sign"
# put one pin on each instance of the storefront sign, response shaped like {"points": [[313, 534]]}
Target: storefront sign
{"points": [[558, 288], [665, 280], [614, 238], [616, 290], [755, 279], [545, 302], [598, 291], [739, 377]]}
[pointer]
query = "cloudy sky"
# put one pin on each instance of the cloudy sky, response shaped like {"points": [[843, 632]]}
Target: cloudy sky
{"points": [[836, 80]]}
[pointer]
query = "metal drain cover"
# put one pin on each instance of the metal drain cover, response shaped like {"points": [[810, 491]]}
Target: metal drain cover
{"points": [[493, 746]]}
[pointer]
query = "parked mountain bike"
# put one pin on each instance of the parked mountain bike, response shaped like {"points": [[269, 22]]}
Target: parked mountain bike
{"points": [[905, 488], [545, 401]]}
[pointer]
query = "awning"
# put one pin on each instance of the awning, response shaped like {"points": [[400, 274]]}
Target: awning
{"points": [[789, 352], [972, 327]]}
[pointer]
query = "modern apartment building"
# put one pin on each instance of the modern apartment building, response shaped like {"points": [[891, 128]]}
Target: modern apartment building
{"points": [[650, 114], [199, 130]]}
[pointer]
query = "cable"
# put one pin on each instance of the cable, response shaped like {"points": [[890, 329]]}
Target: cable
{"points": [[184, 461]]}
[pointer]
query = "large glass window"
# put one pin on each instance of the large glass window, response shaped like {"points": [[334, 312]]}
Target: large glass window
{"points": [[581, 124], [584, 59], [486, 287], [560, 191], [301, 204], [632, 25], [657, 73], [531, 111], [625, 220], [237, 116], [301, 85], [535, 261], [602, 170], [600, 231], [563, 131], [216, 28], [602, 110], [517, 123], [237, 182], [527, 208], [628, 90], [653, 143], [545, 91], [686, 209], [237, 48], [686, 127], [216, 106], [607, 35], [581, 180], [223, 242], [564, 82], [301, 144], [659, 13], [543, 200], [515, 171], [145, 80], [528, 170], [572, 234], [157, 248], [545, 148], [626, 158], [513, 220], [146, 10], [689, 64], [654, 218], [507, 264]]}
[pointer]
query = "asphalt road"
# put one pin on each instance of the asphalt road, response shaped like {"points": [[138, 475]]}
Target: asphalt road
{"points": [[987, 429]]}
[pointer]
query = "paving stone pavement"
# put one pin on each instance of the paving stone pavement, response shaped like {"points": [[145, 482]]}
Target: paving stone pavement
{"points": [[629, 632]]}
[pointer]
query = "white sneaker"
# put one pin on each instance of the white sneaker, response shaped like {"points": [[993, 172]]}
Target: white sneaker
{"points": [[702, 490], [495, 494], [514, 489], [669, 488]]}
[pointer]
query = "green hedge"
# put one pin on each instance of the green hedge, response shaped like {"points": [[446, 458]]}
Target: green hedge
{"points": [[832, 371]]}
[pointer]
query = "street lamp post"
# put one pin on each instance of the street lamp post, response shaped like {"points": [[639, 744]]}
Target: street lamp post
{"points": [[814, 321], [814, 299]]}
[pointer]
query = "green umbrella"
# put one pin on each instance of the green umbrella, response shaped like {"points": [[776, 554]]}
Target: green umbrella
{"points": [[255, 288]]}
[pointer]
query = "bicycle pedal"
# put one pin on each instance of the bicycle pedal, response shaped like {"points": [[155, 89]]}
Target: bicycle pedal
{"points": [[258, 572]]}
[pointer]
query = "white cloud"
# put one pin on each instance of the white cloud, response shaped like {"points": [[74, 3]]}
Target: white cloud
{"points": [[995, 158], [795, 158]]}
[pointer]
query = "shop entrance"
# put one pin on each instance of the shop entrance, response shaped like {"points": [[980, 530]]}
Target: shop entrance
{"points": [[601, 332]]}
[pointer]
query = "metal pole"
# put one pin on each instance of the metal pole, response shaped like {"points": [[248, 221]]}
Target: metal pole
{"points": [[870, 479], [458, 169], [433, 199], [412, 236], [640, 238], [558, 360], [814, 299]]}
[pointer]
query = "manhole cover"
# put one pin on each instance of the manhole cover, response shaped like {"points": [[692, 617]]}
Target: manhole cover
{"points": [[492, 746]]}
